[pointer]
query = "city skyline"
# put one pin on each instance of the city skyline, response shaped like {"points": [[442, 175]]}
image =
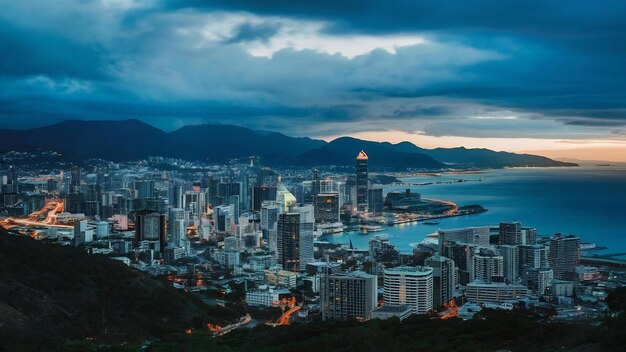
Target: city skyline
{"points": [[535, 77]]}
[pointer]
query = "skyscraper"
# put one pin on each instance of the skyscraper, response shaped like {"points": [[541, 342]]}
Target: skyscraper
{"points": [[305, 235], [327, 208], [289, 241], [564, 256], [375, 200], [411, 285], [510, 257], [348, 296], [488, 266], [443, 279], [150, 226], [269, 221], [510, 233], [361, 181], [177, 226]]}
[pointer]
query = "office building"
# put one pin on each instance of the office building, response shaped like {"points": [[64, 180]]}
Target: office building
{"points": [[348, 296], [150, 226], [361, 181], [327, 208], [532, 257], [269, 225], [443, 279], [494, 292], [289, 241], [510, 233], [476, 236], [488, 266], [564, 256], [510, 258], [375, 200], [411, 285], [538, 280]]}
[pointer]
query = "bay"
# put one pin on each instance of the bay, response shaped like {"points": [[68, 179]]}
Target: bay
{"points": [[588, 201]]}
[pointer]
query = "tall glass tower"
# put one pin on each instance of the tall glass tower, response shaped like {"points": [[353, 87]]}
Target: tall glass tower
{"points": [[361, 181]]}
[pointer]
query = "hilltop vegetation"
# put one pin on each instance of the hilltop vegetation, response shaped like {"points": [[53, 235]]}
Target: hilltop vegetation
{"points": [[50, 293]]}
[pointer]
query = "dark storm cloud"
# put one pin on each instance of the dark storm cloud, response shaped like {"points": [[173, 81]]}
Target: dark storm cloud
{"points": [[162, 61]]}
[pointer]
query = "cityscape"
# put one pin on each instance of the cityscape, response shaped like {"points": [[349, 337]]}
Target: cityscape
{"points": [[190, 176]]}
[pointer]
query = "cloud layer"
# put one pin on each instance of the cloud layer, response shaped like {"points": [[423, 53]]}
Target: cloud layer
{"points": [[544, 69]]}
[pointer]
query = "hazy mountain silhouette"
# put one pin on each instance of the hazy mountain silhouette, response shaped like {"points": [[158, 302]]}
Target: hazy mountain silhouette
{"points": [[134, 139]]}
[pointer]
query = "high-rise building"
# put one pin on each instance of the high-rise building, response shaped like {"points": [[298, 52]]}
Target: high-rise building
{"points": [[463, 256], [261, 194], [269, 221], [510, 257], [289, 241], [306, 236], [411, 285], [144, 188], [476, 236], [361, 181], [150, 227], [348, 296], [327, 208], [510, 233], [532, 257], [488, 266], [375, 200], [538, 280], [564, 256], [177, 226], [443, 279]]}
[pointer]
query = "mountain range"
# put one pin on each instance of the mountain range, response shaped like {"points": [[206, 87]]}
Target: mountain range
{"points": [[133, 140]]}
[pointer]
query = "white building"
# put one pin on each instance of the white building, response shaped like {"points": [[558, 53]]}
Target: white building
{"points": [[410, 285], [494, 292]]}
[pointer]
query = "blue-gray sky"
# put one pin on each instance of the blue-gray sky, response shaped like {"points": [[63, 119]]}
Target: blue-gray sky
{"points": [[552, 70]]}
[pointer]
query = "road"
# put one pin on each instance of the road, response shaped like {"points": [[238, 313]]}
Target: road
{"points": [[51, 209]]}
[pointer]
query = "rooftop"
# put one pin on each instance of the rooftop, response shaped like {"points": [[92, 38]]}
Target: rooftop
{"points": [[361, 156]]}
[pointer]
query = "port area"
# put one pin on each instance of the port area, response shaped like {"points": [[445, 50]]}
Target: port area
{"points": [[425, 210]]}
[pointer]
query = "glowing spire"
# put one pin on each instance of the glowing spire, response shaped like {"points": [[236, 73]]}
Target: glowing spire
{"points": [[361, 156]]}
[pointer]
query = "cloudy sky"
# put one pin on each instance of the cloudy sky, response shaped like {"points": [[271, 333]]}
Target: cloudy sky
{"points": [[545, 76]]}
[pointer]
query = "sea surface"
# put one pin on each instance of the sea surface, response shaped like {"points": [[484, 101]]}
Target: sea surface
{"points": [[587, 201]]}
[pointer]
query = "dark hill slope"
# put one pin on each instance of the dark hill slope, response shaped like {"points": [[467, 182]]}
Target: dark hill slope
{"points": [[49, 291]]}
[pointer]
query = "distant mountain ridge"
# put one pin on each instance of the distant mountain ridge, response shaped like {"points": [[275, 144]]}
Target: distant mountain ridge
{"points": [[133, 139]]}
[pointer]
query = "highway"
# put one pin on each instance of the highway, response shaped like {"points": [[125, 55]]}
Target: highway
{"points": [[51, 209]]}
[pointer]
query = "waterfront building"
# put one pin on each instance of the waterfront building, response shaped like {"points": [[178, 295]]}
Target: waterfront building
{"points": [[348, 296], [443, 279], [361, 181], [564, 256], [375, 200], [510, 233], [410, 285], [476, 236]]}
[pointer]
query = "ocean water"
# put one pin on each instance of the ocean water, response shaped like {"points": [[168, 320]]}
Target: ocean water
{"points": [[588, 201]]}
